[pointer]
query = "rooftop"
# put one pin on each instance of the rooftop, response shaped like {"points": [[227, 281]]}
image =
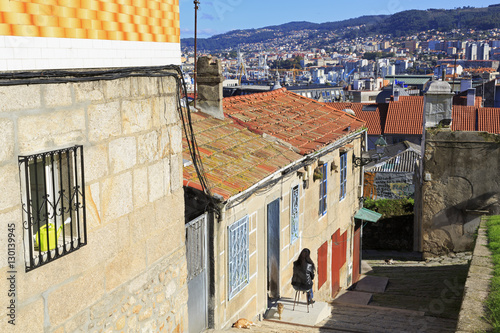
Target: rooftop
{"points": [[233, 158], [373, 114], [406, 116], [305, 124]]}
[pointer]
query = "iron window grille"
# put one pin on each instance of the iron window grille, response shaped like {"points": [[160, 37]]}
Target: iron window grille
{"points": [[343, 175], [323, 190], [238, 256], [294, 214], [196, 247], [53, 201]]}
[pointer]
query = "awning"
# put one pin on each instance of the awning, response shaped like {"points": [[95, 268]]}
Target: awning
{"points": [[367, 215]]}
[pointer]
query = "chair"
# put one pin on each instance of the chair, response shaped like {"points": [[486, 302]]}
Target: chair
{"points": [[296, 299]]}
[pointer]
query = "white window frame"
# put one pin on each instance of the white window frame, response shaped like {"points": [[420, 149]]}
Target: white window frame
{"points": [[294, 213], [343, 175], [323, 191], [238, 256]]}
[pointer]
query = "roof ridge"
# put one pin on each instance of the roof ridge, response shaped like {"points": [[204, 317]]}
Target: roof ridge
{"points": [[233, 99]]}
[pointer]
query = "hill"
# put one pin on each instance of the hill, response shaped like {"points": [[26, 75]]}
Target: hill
{"points": [[396, 25]]}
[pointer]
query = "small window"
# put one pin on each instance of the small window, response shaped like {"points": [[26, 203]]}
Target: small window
{"points": [[238, 256], [343, 175], [53, 199], [294, 214], [323, 190]]}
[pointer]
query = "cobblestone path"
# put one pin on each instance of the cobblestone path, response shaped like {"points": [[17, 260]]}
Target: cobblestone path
{"points": [[422, 296]]}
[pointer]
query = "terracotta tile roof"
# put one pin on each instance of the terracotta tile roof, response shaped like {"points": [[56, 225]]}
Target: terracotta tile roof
{"points": [[233, 157], [462, 100], [464, 118], [405, 116], [304, 123], [489, 120], [375, 119]]}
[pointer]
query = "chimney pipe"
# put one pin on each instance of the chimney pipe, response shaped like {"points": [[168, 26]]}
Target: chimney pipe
{"points": [[471, 97], [210, 87]]}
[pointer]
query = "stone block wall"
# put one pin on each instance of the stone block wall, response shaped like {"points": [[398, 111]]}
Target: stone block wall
{"points": [[460, 182], [131, 275]]}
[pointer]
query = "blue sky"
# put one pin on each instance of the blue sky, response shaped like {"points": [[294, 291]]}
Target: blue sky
{"points": [[219, 16]]}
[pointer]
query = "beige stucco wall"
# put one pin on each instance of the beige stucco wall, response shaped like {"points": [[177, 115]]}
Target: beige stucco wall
{"points": [[313, 232], [132, 272]]}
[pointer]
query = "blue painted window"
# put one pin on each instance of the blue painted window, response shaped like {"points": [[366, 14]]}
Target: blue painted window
{"points": [[323, 190], [343, 175], [294, 214], [238, 256]]}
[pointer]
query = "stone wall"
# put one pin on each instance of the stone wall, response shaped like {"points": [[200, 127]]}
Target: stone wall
{"points": [[473, 310], [131, 274], [460, 181]]}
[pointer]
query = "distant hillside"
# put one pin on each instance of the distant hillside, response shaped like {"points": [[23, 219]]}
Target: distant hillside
{"points": [[399, 24]]}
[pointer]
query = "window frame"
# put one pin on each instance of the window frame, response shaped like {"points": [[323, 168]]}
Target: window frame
{"points": [[323, 190], [52, 196], [238, 231], [294, 214], [343, 175]]}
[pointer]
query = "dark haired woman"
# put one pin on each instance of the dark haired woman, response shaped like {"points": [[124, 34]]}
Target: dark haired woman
{"points": [[303, 274]]}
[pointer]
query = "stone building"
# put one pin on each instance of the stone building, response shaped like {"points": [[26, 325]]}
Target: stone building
{"points": [[458, 180], [91, 197], [281, 176]]}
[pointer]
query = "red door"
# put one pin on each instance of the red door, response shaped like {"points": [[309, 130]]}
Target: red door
{"points": [[336, 262], [355, 258]]}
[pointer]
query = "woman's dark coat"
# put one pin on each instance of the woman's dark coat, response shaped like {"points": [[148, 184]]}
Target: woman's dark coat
{"points": [[302, 276]]}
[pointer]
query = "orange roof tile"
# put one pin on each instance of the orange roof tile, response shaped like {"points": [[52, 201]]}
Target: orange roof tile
{"points": [[375, 119], [489, 120], [405, 116], [304, 123], [464, 118], [233, 158]]}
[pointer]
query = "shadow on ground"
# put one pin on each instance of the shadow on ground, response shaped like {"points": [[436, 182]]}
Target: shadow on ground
{"points": [[420, 297]]}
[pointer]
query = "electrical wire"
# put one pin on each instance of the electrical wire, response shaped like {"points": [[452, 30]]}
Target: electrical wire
{"points": [[73, 76]]}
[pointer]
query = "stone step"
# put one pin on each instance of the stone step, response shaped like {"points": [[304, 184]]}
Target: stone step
{"points": [[318, 312], [353, 297], [372, 284]]}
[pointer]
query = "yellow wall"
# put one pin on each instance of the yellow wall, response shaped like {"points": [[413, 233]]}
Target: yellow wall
{"points": [[129, 20]]}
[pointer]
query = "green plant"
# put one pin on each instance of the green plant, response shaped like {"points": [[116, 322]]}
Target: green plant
{"points": [[493, 301], [391, 207]]}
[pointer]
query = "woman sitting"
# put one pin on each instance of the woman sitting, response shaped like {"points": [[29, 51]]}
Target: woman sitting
{"points": [[303, 274]]}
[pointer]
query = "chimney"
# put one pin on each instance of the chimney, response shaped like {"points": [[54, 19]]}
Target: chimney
{"points": [[396, 95], [438, 101], [465, 84], [209, 81], [471, 97]]}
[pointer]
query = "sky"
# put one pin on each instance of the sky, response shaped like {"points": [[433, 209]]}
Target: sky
{"points": [[219, 16]]}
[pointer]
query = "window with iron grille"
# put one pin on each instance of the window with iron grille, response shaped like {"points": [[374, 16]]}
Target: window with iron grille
{"points": [[343, 175], [323, 189], [53, 200], [238, 256], [294, 215]]}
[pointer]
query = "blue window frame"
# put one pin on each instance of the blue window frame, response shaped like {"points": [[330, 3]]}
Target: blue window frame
{"points": [[294, 214], [238, 256], [323, 190], [343, 175]]}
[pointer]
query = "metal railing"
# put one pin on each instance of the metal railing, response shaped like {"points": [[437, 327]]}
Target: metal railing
{"points": [[53, 201]]}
